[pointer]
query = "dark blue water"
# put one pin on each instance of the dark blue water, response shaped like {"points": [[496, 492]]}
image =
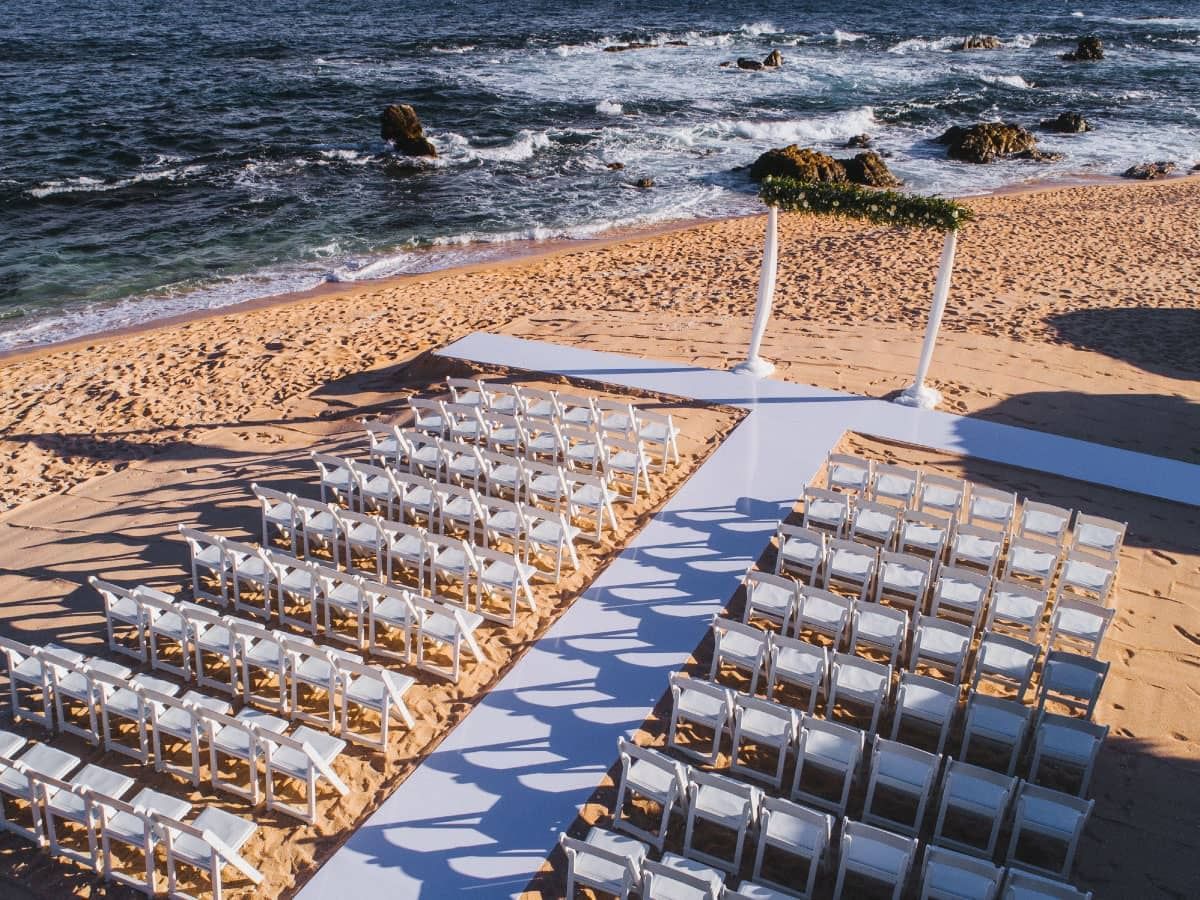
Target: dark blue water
{"points": [[158, 157]]}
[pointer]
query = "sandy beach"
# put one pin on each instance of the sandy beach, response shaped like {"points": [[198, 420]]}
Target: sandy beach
{"points": [[1075, 311]]}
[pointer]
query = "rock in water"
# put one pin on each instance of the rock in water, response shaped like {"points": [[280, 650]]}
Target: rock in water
{"points": [[986, 141], [869, 168], [644, 183], [1067, 123], [803, 164], [981, 42], [1147, 171], [860, 141], [615, 166], [400, 125], [1090, 48], [746, 63], [773, 60]]}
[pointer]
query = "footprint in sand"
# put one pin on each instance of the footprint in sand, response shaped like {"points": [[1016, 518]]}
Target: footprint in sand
{"points": [[1164, 556], [1195, 639]]}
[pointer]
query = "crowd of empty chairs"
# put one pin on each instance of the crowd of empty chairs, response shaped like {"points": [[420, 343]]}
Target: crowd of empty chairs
{"points": [[908, 615], [257, 689]]}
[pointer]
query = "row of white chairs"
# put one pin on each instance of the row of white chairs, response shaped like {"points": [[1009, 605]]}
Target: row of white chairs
{"points": [[265, 667], [60, 789], [510, 489], [267, 582], [616, 864], [807, 549], [964, 603], [924, 708], [864, 479], [157, 715]]}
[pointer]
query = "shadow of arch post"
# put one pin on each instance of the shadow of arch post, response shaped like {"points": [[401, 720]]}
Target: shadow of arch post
{"points": [[849, 201]]}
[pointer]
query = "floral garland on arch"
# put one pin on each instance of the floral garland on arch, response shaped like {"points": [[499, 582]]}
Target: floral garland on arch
{"points": [[853, 202]]}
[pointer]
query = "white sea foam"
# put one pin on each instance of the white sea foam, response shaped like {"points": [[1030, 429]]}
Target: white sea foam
{"points": [[754, 29], [354, 157], [799, 131], [609, 108], [922, 45], [85, 184], [465, 48], [1012, 81], [847, 37]]}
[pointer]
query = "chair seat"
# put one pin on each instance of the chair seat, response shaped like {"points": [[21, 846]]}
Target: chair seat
{"points": [[799, 551], [1011, 605], [314, 670], [656, 432], [502, 573], [131, 829], [889, 485], [125, 609], [877, 626], [346, 596], [848, 477], [459, 508], [916, 534], [875, 523], [860, 680], [551, 532], [363, 533], [926, 703], [764, 726], [264, 652], [10, 743], [625, 461], [408, 547], [376, 487], [1085, 575], [126, 702], [321, 523], [98, 779], [369, 691], [826, 511], [233, 831], [169, 624], [997, 723], [393, 611], [444, 628], [991, 510], [252, 568], [1030, 559], [294, 762], [954, 881], [1002, 659], [896, 769], [795, 831], [299, 581], [216, 638], [236, 741], [866, 855], [772, 598], [681, 891], [1065, 743], [965, 790], [821, 611], [506, 522], [452, 559], [714, 803], [941, 497], [960, 593], [969, 546], [177, 720], [545, 485], [1096, 536], [649, 779], [941, 643], [850, 565], [1048, 817], [41, 759], [796, 663], [591, 495], [831, 747], [1080, 623], [903, 578], [337, 478], [741, 646], [701, 706]]}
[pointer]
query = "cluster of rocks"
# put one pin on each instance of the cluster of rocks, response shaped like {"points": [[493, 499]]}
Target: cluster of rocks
{"points": [[981, 42], [773, 60], [638, 45], [1089, 49], [1066, 123], [806, 164], [985, 142], [1148, 171]]}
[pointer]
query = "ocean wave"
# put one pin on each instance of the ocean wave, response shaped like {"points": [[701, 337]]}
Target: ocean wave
{"points": [[465, 48], [847, 37], [609, 108], [1022, 41], [756, 29], [835, 126], [918, 45], [85, 184], [1012, 81], [457, 148], [354, 157]]}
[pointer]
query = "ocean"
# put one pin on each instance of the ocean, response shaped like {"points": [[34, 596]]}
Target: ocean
{"points": [[163, 157]]}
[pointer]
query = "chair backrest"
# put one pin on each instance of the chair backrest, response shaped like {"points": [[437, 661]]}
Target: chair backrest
{"points": [[859, 839], [821, 494], [890, 755], [328, 463], [1020, 885], [958, 587], [777, 711], [630, 751], [1068, 805], [310, 509], [395, 532], [198, 541], [894, 567], [1043, 520], [722, 626], [1066, 673], [680, 683], [109, 593], [1098, 534], [996, 507], [847, 472], [1016, 715], [963, 634], [1026, 649], [881, 671], [948, 869], [747, 793], [269, 497], [963, 780], [1100, 616], [852, 739], [461, 387], [893, 482], [941, 493], [814, 651]]}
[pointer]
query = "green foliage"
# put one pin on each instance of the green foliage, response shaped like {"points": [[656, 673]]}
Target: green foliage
{"points": [[853, 202]]}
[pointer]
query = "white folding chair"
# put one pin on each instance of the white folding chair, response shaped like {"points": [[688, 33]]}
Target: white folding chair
{"points": [[1087, 576], [827, 510], [306, 757], [507, 522], [928, 702], [208, 561], [121, 610], [799, 834], [544, 441], [18, 781], [904, 777], [444, 626], [421, 455], [129, 701], [1043, 521], [182, 720], [1066, 743], [364, 540], [540, 404], [241, 740], [973, 808], [947, 875], [502, 398], [961, 595], [994, 508], [504, 475], [880, 628], [132, 825], [297, 591], [699, 703], [264, 665], [464, 465], [743, 647], [466, 391], [252, 577], [319, 528], [941, 645], [625, 462], [167, 630], [368, 689], [801, 552], [976, 547], [874, 523], [677, 876], [546, 484], [858, 682], [1098, 535], [850, 566], [823, 612], [1079, 625], [428, 416], [383, 443], [770, 728], [464, 423], [1045, 816], [278, 516], [459, 507], [1005, 661], [314, 678], [831, 752], [647, 777], [1020, 885], [797, 664], [337, 479], [208, 843], [406, 551], [874, 854], [503, 577], [553, 533], [391, 615], [451, 561], [1031, 560], [506, 433], [749, 890], [658, 430], [215, 651], [848, 474], [28, 676], [73, 682], [578, 410], [590, 498], [941, 494], [1016, 606], [346, 606], [770, 597], [720, 801], [1002, 724], [894, 484], [902, 580], [616, 416], [1071, 681], [74, 801], [606, 861], [923, 534]]}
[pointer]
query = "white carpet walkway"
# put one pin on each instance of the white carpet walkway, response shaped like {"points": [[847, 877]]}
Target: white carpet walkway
{"points": [[479, 816]]}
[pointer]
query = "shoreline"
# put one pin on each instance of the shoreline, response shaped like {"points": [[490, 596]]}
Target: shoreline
{"points": [[521, 251]]}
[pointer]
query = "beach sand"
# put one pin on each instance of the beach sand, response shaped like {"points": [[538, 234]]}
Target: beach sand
{"points": [[1075, 311]]}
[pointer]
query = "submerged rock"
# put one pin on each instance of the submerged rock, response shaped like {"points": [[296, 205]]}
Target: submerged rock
{"points": [[869, 168], [1090, 48], [858, 141], [1148, 171], [400, 125], [644, 183], [639, 45], [987, 141], [744, 62], [615, 166], [1067, 123], [981, 42], [802, 163], [773, 60]]}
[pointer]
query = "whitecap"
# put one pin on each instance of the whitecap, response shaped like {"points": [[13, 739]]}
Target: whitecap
{"points": [[1012, 81], [917, 45], [609, 108], [85, 184], [465, 48], [847, 37], [754, 29]]}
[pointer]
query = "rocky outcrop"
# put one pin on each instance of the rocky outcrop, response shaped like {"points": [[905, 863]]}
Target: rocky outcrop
{"points": [[801, 163], [860, 141], [644, 183], [987, 141], [981, 42], [400, 125], [615, 166], [1066, 123], [869, 168], [1148, 171], [1089, 49], [745, 62], [773, 60], [638, 45], [1039, 155]]}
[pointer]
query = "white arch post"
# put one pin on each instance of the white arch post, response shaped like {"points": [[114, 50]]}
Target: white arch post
{"points": [[918, 394], [755, 365]]}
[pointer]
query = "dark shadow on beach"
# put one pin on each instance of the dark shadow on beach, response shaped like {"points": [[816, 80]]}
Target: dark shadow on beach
{"points": [[1162, 341]]}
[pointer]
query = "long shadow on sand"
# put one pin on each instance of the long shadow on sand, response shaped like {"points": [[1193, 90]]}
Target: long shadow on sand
{"points": [[1162, 341]]}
